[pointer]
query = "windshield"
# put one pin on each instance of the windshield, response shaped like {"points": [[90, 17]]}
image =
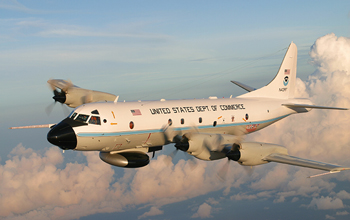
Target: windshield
{"points": [[82, 118], [95, 120], [73, 115]]}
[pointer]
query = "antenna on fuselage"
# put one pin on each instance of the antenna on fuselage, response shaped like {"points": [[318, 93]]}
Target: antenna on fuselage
{"points": [[116, 99]]}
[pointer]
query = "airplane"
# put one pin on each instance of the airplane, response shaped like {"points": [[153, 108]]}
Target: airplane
{"points": [[208, 129]]}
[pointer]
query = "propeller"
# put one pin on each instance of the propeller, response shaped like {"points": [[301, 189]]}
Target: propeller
{"points": [[181, 143], [222, 173], [232, 153], [59, 95]]}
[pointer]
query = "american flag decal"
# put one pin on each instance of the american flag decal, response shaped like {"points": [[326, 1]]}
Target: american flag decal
{"points": [[136, 112], [286, 71]]}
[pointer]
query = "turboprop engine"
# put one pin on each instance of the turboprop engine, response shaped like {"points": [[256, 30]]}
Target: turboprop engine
{"points": [[218, 146], [73, 96], [252, 153]]}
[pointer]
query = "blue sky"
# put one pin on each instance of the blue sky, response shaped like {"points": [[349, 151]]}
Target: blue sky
{"points": [[163, 49]]}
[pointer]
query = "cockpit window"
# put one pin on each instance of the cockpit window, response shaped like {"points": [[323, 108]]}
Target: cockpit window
{"points": [[73, 115], [82, 118], [95, 120], [95, 112]]}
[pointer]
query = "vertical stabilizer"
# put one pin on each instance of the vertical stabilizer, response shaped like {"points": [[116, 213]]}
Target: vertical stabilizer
{"points": [[283, 85]]}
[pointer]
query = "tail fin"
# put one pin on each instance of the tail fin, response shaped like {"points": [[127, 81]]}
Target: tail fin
{"points": [[283, 85]]}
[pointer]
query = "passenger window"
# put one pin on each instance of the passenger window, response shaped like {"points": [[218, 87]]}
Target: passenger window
{"points": [[200, 120], [73, 115], [170, 122], [95, 120], [182, 121], [131, 125], [82, 118]]}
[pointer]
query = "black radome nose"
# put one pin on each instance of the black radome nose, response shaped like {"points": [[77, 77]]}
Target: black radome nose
{"points": [[63, 136]]}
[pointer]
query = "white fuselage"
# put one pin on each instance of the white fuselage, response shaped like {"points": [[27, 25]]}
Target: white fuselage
{"points": [[127, 125]]}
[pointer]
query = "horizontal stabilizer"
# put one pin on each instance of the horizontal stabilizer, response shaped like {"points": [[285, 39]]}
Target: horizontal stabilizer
{"points": [[291, 105], [296, 161], [33, 126], [243, 86]]}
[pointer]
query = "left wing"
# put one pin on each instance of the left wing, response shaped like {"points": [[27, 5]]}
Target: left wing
{"points": [[207, 146], [292, 105], [296, 161]]}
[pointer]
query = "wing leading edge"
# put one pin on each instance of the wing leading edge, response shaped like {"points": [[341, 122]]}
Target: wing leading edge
{"points": [[291, 105], [296, 161]]}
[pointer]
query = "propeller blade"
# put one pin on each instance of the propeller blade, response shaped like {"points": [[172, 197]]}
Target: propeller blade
{"points": [[66, 111], [192, 161], [49, 108], [170, 157], [222, 173], [249, 170]]}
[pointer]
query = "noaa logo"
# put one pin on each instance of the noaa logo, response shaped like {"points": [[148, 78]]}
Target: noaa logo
{"points": [[285, 80]]}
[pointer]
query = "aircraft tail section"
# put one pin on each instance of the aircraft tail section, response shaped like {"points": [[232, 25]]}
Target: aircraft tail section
{"points": [[283, 85]]}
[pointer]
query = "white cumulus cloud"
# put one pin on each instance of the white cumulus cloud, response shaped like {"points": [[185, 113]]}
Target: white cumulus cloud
{"points": [[327, 203], [204, 211], [152, 212]]}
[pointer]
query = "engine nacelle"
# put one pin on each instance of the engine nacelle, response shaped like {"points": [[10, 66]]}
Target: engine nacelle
{"points": [[253, 153], [125, 159], [73, 96], [77, 96], [206, 146]]}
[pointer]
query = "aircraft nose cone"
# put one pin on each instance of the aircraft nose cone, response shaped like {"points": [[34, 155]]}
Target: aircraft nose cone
{"points": [[63, 136]]}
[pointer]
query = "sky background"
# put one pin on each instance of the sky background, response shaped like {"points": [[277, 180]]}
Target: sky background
{"points": [[148, 50]]}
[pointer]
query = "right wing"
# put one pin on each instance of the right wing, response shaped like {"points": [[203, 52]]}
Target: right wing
{"points": [[34, 126], [73, 96]]}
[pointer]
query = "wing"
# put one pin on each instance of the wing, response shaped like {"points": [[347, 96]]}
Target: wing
{"points": [[296, 161], [291, 105], [33, 126], [73, 96], [61, 84]]}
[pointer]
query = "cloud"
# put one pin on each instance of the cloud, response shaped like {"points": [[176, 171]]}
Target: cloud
{"points": [[331, 53], [32, 182], [319, 134], [152, 212], [212, 201], [329, 217], [343, 195], [342, 213], [327, 203], [32, 185], [204, 211], [13, 5]]}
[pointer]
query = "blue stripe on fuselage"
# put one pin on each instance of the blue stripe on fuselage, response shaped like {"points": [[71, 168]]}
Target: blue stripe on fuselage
{"points": [[99, 134]]}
